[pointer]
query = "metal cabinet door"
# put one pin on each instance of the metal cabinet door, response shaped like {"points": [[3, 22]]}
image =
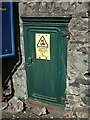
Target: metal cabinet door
{"points": [[45, 76]]}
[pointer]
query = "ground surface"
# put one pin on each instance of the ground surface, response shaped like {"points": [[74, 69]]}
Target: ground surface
{"points": [[33, 110]]}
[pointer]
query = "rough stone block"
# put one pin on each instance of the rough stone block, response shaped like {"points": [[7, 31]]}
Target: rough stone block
{"points": [[82, 80]]}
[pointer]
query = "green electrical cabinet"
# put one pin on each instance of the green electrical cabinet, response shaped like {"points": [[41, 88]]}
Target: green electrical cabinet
{"points": [[45, 40]]}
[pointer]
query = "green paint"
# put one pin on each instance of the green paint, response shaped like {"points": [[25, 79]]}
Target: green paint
{"points": [[46, 79]]}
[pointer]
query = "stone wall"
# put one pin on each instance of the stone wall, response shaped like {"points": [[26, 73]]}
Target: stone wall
{"points": [[19, 78], [77, 80]]}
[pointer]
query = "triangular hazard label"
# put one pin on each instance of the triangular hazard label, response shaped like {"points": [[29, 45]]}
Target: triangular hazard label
{"points": [[42, 42]]}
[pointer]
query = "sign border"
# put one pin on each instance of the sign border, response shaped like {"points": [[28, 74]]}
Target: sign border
{"points": [[12, 29]]}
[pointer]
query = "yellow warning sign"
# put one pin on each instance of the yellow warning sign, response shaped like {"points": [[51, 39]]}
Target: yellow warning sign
{"points": [[42, 46]]}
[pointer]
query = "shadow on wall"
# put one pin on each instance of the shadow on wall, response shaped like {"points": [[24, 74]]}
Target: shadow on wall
{"points": [[10, 64]]}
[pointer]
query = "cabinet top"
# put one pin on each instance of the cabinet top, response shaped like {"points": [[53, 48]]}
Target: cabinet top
{"points": [[59, 19]]}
